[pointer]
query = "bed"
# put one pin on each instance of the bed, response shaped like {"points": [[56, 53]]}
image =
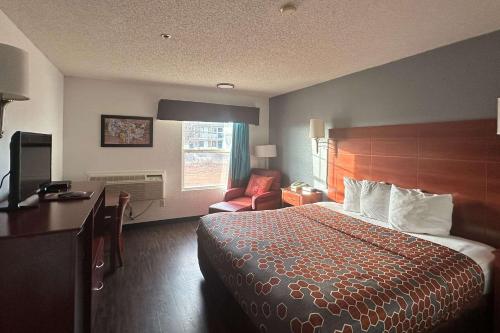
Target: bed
{"points": [[317, 268], [314, 267]]}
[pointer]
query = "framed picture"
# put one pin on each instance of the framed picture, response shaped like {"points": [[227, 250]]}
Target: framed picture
{"points": [[126, 131]]}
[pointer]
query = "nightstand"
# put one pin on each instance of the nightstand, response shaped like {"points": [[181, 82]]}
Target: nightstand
{"points": [[297, 198]]}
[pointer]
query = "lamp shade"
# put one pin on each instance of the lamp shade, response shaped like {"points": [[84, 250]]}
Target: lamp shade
{"points": [[317, 128], [265, 151], [14, 73]]}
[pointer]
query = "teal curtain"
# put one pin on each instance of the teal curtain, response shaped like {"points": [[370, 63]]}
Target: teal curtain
{"points": [[239, 167]]}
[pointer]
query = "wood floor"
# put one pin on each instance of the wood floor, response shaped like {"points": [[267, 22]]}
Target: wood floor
{"points": [[161, 289]]}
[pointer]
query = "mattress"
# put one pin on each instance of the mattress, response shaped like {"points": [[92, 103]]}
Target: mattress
{"points": [[481, 253], [311, 268]]}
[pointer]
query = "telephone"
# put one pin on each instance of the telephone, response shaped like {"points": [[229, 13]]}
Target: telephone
{"points": [[297, 185], [55, 187]]}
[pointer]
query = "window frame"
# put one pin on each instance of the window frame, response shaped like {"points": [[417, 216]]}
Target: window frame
{"points": [[213, 150]]}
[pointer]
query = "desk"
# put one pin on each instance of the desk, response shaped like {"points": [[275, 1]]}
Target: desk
{"points": [[51, 264], [111, 217]]}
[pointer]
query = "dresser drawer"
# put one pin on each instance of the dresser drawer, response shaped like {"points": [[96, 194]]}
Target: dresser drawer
{"points": [[98, 264], [291, 198], [97, 274], [297, 198]]}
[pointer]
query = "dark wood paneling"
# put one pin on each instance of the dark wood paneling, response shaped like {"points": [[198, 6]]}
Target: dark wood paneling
{"points": [[461, 158], [349, 165], [404, 147], [494, 151], [473, 149], [400, 131], [355, 146], [460, 178], [395, 170], [492, 207]]}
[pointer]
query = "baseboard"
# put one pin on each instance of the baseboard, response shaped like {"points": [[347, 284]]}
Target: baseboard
{"points": [[160, 222]]}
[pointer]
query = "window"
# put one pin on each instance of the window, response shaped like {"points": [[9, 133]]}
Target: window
{"points": [[206, 151]]}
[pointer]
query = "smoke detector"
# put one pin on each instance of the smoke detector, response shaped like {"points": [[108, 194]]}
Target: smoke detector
{"points": [[288, 9]]}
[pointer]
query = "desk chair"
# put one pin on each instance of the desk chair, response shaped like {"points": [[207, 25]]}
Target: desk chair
{"points": [[114, 230]]}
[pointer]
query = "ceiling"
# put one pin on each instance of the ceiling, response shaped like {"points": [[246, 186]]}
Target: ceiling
{"points": [[248, 43]]}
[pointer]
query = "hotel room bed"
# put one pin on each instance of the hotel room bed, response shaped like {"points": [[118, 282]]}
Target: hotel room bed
{"points": [[315, 268]]}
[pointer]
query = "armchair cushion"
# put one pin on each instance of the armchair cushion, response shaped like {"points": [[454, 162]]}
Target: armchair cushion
{"points": [[276, 186], [258, 185]]}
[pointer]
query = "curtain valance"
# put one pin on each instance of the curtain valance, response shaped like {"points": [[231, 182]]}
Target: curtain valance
{"points": [[196, 111]]}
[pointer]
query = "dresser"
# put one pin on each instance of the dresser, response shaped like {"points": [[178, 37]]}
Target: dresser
{"points": [[51, 264]]}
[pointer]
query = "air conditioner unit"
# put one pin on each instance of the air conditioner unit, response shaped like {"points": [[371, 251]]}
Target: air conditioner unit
{"points": [[142, 185]]}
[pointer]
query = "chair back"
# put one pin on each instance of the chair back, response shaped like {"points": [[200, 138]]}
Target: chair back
{"points": [[123, 201], [276, 185]]}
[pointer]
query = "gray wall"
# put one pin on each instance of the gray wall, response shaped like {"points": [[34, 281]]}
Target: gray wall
{"points": [[456, 82]]}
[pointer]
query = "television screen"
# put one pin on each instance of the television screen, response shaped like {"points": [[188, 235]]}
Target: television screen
{"points": [[35, 168], [30, 164]]}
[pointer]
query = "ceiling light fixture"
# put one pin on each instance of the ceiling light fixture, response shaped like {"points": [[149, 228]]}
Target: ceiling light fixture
{"points": [[288, 9], [225, 85], [166, 36]]}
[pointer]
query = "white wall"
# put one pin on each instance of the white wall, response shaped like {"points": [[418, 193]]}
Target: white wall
{"points": [[86, 99], [43, 113]]}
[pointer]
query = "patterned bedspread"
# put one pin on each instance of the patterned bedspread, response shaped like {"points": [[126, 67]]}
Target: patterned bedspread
{"points": [[311, 269]]}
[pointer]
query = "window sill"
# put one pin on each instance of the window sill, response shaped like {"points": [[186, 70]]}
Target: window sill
{"points": [[203, 188]]}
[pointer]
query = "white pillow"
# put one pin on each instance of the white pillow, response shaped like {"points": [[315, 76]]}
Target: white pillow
{"points": [[352, 194], [418, 212], [375, 200]]}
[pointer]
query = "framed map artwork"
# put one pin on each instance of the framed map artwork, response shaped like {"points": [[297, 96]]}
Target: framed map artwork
{"points": [[126, 131]]}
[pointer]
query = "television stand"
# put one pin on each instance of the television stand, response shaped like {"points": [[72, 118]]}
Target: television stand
{"points": [[52, 264], [31, 202]]}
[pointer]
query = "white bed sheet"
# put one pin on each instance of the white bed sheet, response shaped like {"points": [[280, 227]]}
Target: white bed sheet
{"points": [[481, 253]]}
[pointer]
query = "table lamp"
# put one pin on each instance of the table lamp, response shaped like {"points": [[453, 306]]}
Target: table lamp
{"points": [[14, 77], [265, 151]]}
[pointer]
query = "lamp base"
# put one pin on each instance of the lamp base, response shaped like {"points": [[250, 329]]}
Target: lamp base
{"points": [[3, 103]]}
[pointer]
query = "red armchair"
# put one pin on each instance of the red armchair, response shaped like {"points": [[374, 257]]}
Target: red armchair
{"points": [[236, 201]]}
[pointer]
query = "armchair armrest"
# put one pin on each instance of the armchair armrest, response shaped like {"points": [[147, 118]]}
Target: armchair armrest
{"points": [[267, 200], [234, 193]]}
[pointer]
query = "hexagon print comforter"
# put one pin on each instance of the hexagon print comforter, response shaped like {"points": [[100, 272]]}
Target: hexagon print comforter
{"points": [[311, 269]]}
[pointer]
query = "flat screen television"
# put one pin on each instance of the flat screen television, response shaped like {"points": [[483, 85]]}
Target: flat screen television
{"points": [[30, 165]]}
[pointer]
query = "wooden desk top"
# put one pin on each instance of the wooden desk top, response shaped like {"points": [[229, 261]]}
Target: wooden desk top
{"points": [[51, 216]]}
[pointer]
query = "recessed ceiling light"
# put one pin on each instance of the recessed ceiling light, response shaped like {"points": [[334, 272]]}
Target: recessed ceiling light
{"points": [[225, 85], [166, 36], [288, 9]]}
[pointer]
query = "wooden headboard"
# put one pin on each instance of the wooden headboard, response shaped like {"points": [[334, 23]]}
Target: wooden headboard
{"points": [[462, 158]]}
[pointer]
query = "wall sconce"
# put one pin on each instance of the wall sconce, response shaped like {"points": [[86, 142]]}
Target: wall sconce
{"points": [[266, 151], [316, 130], [14, 78]]}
